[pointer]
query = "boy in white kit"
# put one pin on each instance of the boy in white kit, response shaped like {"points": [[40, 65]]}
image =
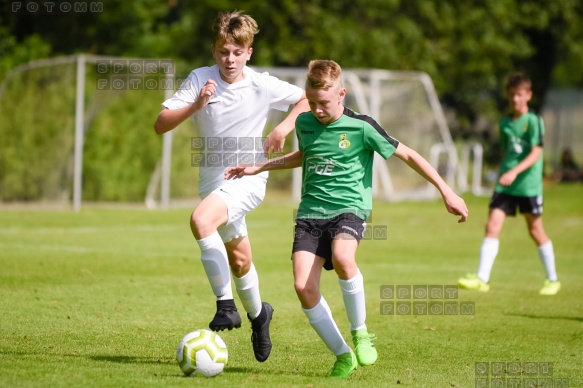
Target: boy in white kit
{"points": [[230, 103]]}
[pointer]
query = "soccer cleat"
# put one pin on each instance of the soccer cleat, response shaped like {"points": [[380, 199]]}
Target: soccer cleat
{"points": [[472, 282], [226, 317], [260, 335], [550, 288], [344, 365], [366, 354]]}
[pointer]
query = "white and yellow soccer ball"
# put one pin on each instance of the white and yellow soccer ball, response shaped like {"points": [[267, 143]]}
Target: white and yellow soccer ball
{"points": [[202, 353]]}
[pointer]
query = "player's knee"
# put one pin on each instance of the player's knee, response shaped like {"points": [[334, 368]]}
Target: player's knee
{"points": [[201, 223], [493, 229], [344, 264], [538, 235], [196, 220], [240, 265], [307, 291]]}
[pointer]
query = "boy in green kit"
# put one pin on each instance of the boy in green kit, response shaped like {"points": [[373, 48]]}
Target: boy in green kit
{"points": [[519, 185], [336, 150]]}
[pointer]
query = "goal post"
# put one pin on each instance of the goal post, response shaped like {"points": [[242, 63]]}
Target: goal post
{"points": [[48, 107]]}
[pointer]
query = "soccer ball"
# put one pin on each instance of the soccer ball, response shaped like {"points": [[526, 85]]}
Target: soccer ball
{"points": [[202, 353]]}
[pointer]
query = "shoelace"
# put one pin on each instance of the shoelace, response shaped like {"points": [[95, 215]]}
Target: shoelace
{"points": [[225, 311], [364, 339]]}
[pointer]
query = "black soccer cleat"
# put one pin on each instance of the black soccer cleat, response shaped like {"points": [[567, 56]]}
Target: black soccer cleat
{"points": [[260, 336], [226, 317]]}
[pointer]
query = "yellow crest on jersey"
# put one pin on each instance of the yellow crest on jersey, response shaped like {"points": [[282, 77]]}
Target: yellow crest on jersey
{"points": [[343, 142]]}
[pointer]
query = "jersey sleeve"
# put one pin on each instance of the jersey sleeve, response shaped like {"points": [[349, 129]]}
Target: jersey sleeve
{"points": [[186, 94], [377, 139], [299, 125], [502, 136], [281, 94], [536, 131]]}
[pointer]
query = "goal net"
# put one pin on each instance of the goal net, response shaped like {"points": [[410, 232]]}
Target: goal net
{"points": [[79, 129]]}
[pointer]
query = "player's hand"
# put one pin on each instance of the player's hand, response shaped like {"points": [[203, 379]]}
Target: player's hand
{"points": [[206, 92], [236, 172], [274, 142], [456, 206], [507, 178]]}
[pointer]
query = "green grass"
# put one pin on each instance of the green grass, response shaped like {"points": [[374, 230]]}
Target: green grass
{"points": [[102, 298]]}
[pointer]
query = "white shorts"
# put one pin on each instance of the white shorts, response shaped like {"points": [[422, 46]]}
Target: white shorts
{"points": [[241, 196]]}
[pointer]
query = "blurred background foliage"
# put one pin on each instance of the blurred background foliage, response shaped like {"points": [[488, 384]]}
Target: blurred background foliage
{"points": [[467, 47]]}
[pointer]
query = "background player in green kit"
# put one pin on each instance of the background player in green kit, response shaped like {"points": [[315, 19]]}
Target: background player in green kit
{"points": [[519, 185], [336, 150]]}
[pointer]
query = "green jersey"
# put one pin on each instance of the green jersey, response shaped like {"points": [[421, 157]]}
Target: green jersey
{"points": [[517, 138], [337, 163]]}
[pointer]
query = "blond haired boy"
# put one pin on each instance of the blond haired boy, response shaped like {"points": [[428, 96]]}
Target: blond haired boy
{"points": [[230, 102], [336, 150]]}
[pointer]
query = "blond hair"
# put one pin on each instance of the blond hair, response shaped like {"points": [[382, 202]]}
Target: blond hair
{"points": [[323, 74], [235, 27]]}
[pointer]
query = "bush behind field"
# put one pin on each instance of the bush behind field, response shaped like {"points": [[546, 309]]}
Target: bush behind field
{"points": [[121, 148]]}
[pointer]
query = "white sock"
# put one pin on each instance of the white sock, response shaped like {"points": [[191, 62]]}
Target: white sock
{"points": [[248, 290], [547, 256], [321, 320], [353, 295], [488, 253], [216, 265]]}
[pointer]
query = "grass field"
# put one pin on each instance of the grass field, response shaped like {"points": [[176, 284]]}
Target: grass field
{"points": [[103, 297]]}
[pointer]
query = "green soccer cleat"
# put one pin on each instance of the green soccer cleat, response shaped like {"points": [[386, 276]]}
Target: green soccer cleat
{"points": [[344, 365], [472, 282], [366, 354], [550, 288]]}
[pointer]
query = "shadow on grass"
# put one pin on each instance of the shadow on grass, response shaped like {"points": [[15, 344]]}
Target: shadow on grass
{"points": [[228, 369], [271, 371], [118, 359], [533, 316], [130, 360], [160, 361]]}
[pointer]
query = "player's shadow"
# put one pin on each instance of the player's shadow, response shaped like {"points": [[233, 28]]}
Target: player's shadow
{"points": [[129, 359], [534, 316], [279, 372]]}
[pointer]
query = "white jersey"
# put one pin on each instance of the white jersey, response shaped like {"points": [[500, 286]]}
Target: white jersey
{"points": [[232, 124]]}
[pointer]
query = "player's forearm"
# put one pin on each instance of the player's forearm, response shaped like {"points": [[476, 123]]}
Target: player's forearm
{"points": [[291, 160], [169, 119], [529, 161], [422, 167], [288, 124]]}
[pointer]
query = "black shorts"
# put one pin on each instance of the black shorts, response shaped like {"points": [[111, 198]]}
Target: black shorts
{"points": [[316, 235], [509, 203]]}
